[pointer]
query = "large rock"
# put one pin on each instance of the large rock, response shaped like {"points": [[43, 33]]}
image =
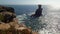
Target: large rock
{"points": [[8, 9], [4, 26], [24, 30], [7, 13]]}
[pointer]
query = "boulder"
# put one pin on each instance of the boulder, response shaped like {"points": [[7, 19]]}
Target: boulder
{"points": [[8, 9], [8, 13], [24, 30], [4, 26]]}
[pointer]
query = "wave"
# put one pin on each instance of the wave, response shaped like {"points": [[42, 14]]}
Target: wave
{"points": [[35, 23], [48, 24]]}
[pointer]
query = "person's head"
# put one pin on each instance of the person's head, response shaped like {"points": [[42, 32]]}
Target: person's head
{"points": [[39, 6]]}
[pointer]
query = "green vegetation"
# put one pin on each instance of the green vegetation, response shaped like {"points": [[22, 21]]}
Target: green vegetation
{"points": [[1, 17]]}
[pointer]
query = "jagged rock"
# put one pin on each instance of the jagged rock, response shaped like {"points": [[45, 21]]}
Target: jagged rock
{"points": [[4, 8], [24, 30], [8, 13], [4, 26]]}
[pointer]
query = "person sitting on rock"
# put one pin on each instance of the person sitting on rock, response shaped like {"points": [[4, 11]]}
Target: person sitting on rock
{"points": [[38, 12]]}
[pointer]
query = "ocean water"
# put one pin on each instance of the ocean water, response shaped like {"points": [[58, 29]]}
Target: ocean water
{"points": [[49, 23], [23, 9]]}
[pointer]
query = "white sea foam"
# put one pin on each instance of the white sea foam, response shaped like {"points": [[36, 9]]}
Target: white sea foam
{"points": [[51, 19]]}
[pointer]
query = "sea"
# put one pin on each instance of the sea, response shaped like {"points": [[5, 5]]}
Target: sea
{"points": [[49, 23]]}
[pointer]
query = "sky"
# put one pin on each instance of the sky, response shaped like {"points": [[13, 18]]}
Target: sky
{"points": [[29, 2]]}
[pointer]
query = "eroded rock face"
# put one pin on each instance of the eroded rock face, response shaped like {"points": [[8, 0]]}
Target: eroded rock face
{"points": [[8, 9], [9, 18], [4, 26], [24, 30], [7, 13]]}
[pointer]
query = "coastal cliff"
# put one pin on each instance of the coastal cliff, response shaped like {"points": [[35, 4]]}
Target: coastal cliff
{"points": [[9, 22]]}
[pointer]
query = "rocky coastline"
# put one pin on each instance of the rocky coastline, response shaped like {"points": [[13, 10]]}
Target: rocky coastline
{"points": [[9, 22]]}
